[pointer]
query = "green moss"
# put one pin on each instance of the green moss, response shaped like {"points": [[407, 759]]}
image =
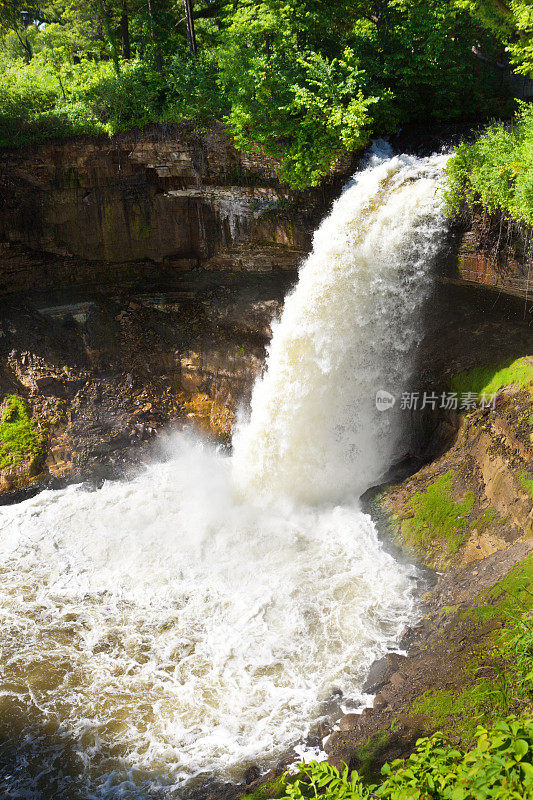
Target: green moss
{"points": [[368, 755], [140, 224], [458, 713], [489, 380], [484, 521], [270, 790], [511, 593], [19, 438], [526, 482], [437, 515]]}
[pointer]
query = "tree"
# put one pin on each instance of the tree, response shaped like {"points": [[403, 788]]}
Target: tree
{"points": [[17, 16], [190, 25], [512, 23]]}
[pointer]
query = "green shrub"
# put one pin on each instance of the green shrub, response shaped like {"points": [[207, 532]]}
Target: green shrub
{"points": [[194, 88], [303, 109], [304, 81], [39, 103], [496, 170], [499, 767], [130, 99]]}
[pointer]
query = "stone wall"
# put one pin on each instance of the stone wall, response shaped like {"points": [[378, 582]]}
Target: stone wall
{"points": [[500, 268], [157, 203]]}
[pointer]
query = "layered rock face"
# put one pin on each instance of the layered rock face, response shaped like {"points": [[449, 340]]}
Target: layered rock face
{"points": [[488, 255], [102, 372], [153, 206]]}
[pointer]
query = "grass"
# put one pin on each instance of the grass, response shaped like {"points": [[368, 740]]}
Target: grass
{"points": [[19, 438], [507, 652], [489, 380], [271, 789], [458, 713], [436, 515], [367, 756]]}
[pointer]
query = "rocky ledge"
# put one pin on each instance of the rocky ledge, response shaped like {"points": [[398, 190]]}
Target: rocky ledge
{"points": [[88, 378], [151, 205]]}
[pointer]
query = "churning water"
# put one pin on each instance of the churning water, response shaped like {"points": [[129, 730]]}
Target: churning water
{"points": [[199, 617]]}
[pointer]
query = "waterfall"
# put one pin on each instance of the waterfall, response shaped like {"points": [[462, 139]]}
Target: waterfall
{"points": [[202, 616], [347, 331]]}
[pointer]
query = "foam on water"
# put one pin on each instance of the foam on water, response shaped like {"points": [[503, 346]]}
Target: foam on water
{"points": [[199, 617]]}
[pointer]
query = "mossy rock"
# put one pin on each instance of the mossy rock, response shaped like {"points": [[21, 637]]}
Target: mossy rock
{"points": [[20, 439]]}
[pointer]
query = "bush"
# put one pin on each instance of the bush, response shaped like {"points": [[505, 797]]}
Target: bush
{"points": [[499, 767], [496, 170], [305, 110], [194, 89], [38, 102], [131, 99], [27, 88]]}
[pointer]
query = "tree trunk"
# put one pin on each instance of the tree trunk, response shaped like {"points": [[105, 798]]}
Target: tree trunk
{"points": [[108, 29], [125, 32], [191, 36], [157, 54], [26, 45]]}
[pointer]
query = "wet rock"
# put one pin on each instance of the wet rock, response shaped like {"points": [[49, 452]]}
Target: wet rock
{"points": [[102, 391], [380, 702], [349, 722], [252, 774], [380, 672]]}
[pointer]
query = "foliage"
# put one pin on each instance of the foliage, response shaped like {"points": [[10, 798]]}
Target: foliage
{"points": [[496, 170], [306, 111], [488, 380], [303, 80], [500, 765], [37, 103], [512, 22], [194, 88], [19, 439]]}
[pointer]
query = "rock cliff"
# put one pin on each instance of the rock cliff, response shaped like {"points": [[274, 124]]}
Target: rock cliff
{"points": [[150, 206]]}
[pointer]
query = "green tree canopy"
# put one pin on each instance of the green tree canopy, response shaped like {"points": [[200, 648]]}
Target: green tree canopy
{"points": [[305, 80]]}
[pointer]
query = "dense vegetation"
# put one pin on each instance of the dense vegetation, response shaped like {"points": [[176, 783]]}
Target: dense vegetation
{"points": [[303, 79], [496, 171], [495, 174], [500, 765]]}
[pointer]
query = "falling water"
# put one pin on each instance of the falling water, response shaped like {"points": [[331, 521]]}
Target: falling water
{"points": [[179, 626]]}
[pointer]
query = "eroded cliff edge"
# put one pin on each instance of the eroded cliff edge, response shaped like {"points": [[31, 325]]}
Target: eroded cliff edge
{"points": [[150, 205]]}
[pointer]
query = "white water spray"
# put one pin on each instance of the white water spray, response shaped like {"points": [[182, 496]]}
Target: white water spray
{"points": [[347, 331], [199, 617]]}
